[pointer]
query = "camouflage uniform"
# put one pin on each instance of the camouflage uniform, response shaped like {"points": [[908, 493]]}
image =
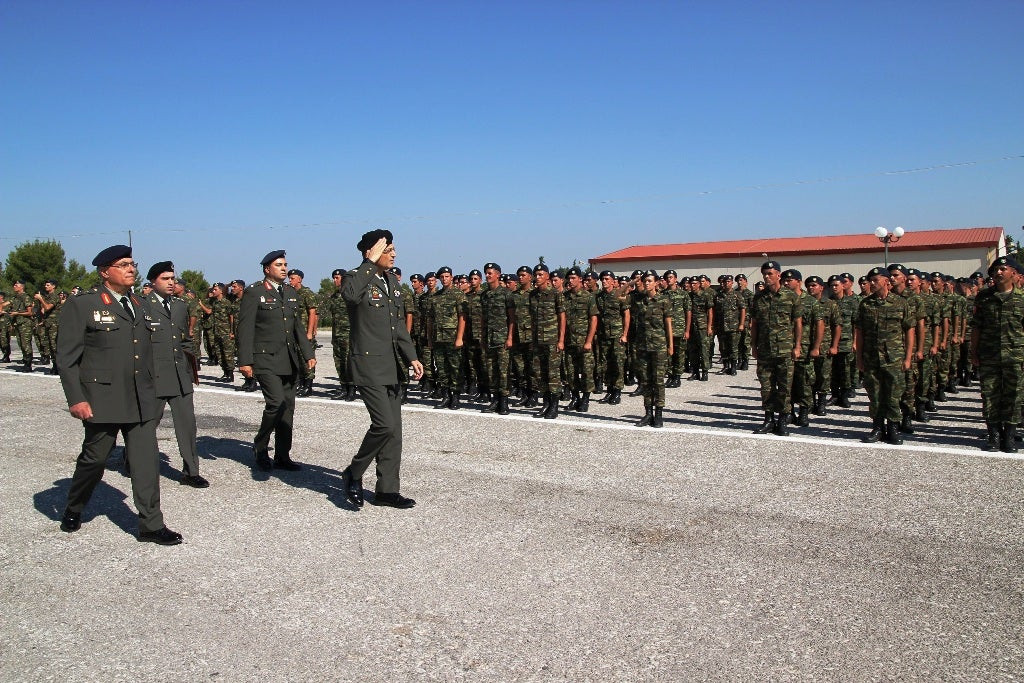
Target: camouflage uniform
{"points": [[743, 348], [682, 304], [883, 324], [497, 310], [775, 314], [842, 376], [21, 326], [223, 342], [546, 308], [580, 308], [700, 342], [49, 322], [932, 313], [5, 329], [917, 311], [999, 324], [828, 311], [447, 305], [611, 352], [307, 304], [419, 335], [521, 356], [473, 356], [729, 305], [649, 314], [206, 324], [340, 328], [802, 392]]}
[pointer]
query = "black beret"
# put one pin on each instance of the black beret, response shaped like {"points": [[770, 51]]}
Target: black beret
{"points": [[523, 269], [770, 265], [636, 273], [475, 272], [371, 238], [296, 271], [429, 275], [607, 273], [814, 280], [271, 257], [623, 279], [847, 276], [338, 271], [724, 278], [19, 281], [651, 273], [492, 266], [740, 276], [52, 282], [559, 273], [158, 268], [416, 277], [541, 267], [671, 272], [878, 270], [590, 275], [893, 267], [792, 274], [111, 254], [976, 275], [705, 277], [574, 271], [442, 270], [240, 283], [913, 272], [217, 284], [864, 278], [1001, 261], [395, 270]]}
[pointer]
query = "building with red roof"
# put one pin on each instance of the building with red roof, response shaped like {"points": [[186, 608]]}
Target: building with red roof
{"points": [[957, 252]]}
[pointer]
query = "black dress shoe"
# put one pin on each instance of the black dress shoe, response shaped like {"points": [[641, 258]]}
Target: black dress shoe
{"points": [[394, 500], [162, 536], [353, 488], [263, 461], [70, 521], [286, 463], [196, 481]]}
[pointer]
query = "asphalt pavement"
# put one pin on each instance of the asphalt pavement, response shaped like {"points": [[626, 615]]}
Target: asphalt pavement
{"points": [[582, 548]]}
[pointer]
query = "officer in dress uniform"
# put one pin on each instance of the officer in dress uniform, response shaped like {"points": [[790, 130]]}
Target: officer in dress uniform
{"points": [[272, 344], [106, 360]]}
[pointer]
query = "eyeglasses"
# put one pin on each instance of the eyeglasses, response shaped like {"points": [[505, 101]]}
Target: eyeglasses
{"points": [[125, 265]]}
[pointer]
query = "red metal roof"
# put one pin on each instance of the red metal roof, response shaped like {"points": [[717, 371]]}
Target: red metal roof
{"points": [[912, 240]]}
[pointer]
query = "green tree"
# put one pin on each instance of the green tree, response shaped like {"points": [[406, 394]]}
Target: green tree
{"points": [[78, 275], [323, 295], [35, 262], [195, 280], [1012, 246]]}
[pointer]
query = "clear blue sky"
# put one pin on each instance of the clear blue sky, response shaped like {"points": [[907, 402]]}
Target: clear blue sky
{"points": [[500, 131]]}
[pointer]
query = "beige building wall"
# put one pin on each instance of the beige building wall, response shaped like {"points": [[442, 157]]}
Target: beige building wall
{"points": [[955, 262]]}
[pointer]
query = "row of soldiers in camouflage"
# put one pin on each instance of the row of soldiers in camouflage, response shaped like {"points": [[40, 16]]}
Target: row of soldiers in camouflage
{"points": [[24, 317]]}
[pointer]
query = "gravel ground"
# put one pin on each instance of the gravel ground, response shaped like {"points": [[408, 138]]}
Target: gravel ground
{"points": [[582, 548]]}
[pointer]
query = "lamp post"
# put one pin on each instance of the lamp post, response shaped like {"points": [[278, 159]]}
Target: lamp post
{"points": [[885, 237]]}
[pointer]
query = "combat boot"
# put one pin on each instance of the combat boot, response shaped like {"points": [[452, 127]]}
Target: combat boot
{"points": [[574, 401], [843, 401], [584, 405], [1008, 440], [531, 400], [615, 398], [892, 436], [877, 427], [6, 358], [492, 406], [544, 408], [658, 422], [648, 417], [437, 392], [919, 414], [768, 425], [819, 404], [745, 364], [940, 394], [54, 370], [703, 375], [598, 386], [552, 412], [804, 418], [780, 428], [639, 391], [565, 395], [930, 405], [629, 379], [405, 394], [446, 399], [350, 393], [503, 405], [906, 424], [995, 437], [453, 403], [44, 360]]}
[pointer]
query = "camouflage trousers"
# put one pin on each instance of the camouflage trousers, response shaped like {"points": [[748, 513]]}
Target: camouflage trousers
{"points": [[449, 366], [309, 372], [211, 345], [579, 368], [884, 383], [729, 346], [743, 349], [775, 374], [802, 393], [925, 377], [699, 349], [50, 332], [822, 374], [224, 348], [678, 359], [547, 363], [473, 361], [1001, 391], [5, 335], [23, 331], [942, 365], [611, 363], [496, 360], [842, 377], [908, 401], [655, 366], [520, 366], [426, 356], [42, 343], [342, 352]]}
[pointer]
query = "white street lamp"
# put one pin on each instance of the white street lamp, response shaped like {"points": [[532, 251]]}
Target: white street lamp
{"points": [[885, 237]]}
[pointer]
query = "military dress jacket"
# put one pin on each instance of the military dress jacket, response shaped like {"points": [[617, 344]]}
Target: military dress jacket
{"points": [[271, 337], [168, 334], [381, 347], [106, 359]]}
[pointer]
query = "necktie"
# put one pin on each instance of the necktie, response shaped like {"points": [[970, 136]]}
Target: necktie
{"points": [[128, 308], [280, 290], [167, 307]]}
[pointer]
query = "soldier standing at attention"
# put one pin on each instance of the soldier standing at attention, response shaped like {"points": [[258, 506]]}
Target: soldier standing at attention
{"points": [[547, 310], [825, 349], [5, 328], [580, 330], [106, 369], [744, 343], [167, 320], [884, 343], [730, 320], [207, 324], [224, 339], [681, 314], [776, 328], [497, 334], [613, 322], [446, 328], [340, 329], [652, 316], [812, 332], [703, 321], [410, 309], [997, 350], [521, 358], [272, 344], [842, 378], [473, 359], [309, 318], [49, 310], [427, 385], [898, 275], [21, 311]]}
